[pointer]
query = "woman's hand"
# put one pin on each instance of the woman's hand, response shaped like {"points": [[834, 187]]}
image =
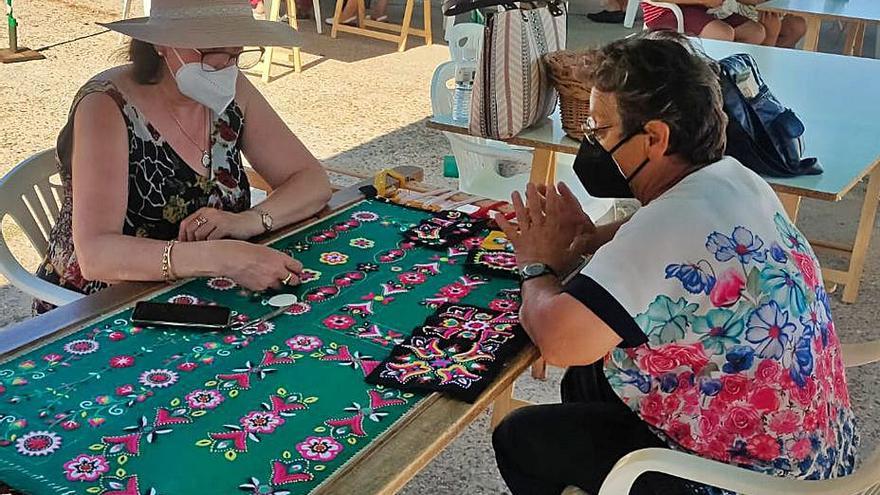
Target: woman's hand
{"points": [[257, 267], [211, 223], [551, 228]]}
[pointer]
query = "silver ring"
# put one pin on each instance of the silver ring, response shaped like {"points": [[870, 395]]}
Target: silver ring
{"points": [[201, 221]]}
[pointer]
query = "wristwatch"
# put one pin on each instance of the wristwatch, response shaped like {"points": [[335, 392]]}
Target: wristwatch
{"points": [[534, 270], [266, 219]]}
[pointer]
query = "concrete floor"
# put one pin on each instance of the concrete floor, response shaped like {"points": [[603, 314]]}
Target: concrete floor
{"points": [[359, 106]]}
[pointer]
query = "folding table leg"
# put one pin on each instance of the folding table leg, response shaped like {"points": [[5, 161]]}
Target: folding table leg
{"points": [[791, 203], [543, 166], [319, 19], [811, 38], [863, 238], [429, 36], [337, 13], [504, 404], [404, 28]]}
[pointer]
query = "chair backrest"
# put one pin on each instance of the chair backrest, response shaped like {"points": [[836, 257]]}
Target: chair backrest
{"points": [[31, 199], [442, 88], [465, 42], [676, 10]]}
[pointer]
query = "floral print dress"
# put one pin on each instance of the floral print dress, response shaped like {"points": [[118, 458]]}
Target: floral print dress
{"points": [[162, 188], [736, 357]]}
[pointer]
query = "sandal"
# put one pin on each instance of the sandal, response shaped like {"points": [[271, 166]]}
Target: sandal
{"points": [[351, 21]]}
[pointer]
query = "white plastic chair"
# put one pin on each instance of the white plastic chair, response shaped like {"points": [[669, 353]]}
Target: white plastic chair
{"points": [[632, 8], [676, 10], [33, 202], [478, 159], [865, 481]]}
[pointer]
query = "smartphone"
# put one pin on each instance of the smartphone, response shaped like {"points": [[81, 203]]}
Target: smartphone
{"points": [[180, 315]]}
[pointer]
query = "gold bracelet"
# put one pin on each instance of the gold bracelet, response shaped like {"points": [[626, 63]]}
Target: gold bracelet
{"points": [[167, 271]]}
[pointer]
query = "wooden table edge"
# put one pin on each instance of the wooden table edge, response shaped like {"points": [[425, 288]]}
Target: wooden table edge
{"points": [[34, 332]]}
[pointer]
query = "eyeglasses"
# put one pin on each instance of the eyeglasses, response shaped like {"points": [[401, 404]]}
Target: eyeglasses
{"points": [[590, 130], [216, 60]]}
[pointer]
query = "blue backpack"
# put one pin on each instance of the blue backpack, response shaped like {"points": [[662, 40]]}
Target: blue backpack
{"points": [[762, 134]]}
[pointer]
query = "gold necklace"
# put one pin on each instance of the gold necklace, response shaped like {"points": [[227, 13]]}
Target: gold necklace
{"points": [[206, 156]]}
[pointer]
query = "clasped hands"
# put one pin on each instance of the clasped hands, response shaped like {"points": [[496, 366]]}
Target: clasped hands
{"points": [[551, 228]]}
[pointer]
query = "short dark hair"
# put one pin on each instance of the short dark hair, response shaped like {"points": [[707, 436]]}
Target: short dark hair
{"points": [[146, 62], [662, 76]]}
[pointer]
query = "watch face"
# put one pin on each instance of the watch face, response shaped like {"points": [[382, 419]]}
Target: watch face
{"points": [[533, 269]]}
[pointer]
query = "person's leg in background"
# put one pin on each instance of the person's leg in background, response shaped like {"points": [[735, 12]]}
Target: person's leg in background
{"points": [[772, 25], [613, 13], [792, 30], [379, 10], [746, 30]]}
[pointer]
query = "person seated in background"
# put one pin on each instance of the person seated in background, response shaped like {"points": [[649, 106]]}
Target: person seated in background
{"points": [[700, 324], [350, 12], [782, 30], [613, 13], [152, 154], [698, 21]]}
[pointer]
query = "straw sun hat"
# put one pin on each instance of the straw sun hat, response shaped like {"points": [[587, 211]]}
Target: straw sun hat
{"points": [[204, 24]]}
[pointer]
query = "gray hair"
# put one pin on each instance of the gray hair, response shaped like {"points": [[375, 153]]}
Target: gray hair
{"points": [[662, 76]]}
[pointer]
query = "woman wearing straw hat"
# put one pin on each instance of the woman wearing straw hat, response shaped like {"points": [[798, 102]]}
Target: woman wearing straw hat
{"points": [[151, 161]]}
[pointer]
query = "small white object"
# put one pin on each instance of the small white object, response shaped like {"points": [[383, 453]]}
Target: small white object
{"points": [[282, 300]]}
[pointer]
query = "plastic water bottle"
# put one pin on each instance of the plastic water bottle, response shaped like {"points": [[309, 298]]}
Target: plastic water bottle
{"points": [[461, 95]]}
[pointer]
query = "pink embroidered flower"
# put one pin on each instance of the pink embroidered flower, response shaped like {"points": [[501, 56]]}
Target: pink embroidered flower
{"points": [[116, 336], [188, 366], [38, 443], [412, 278], [339, 322], [504, 305], [53, 357], [228, 339], [334, 258], [261, 422], [297, 309], [69, 425], [304, 343], [807, 266], [204, 399], [801, 449], [785, 422], [361, 243], [158, 378], [456, 290], [742, 420], [763, 447], [85, 467], [727, 288], [764, 399], [122, 361], [183, 299], [323, 449], [221, 283], [81, 346], [308, 275], [124, 390]]}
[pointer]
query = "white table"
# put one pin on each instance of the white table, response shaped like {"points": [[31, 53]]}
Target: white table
{"points": [[842, 118]]}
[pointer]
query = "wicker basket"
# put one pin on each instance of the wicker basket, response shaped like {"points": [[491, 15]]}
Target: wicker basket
{"points": [[565, 69]]}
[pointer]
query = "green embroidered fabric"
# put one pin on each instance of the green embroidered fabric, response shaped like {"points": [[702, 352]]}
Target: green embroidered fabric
{"points": [[275, 408]]}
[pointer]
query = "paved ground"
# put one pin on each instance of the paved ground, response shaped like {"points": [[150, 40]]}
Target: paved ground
{"points": [[359, 106]]}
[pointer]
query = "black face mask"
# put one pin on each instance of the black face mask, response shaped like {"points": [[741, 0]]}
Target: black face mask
{"points": [[599, 173]]}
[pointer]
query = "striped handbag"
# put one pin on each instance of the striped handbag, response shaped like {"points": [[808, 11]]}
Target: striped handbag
{"points": [[511, 89]]}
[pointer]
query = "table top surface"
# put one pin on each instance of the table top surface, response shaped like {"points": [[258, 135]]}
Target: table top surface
{"points": [[384, 466], [833, 95], [866, 10]]}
